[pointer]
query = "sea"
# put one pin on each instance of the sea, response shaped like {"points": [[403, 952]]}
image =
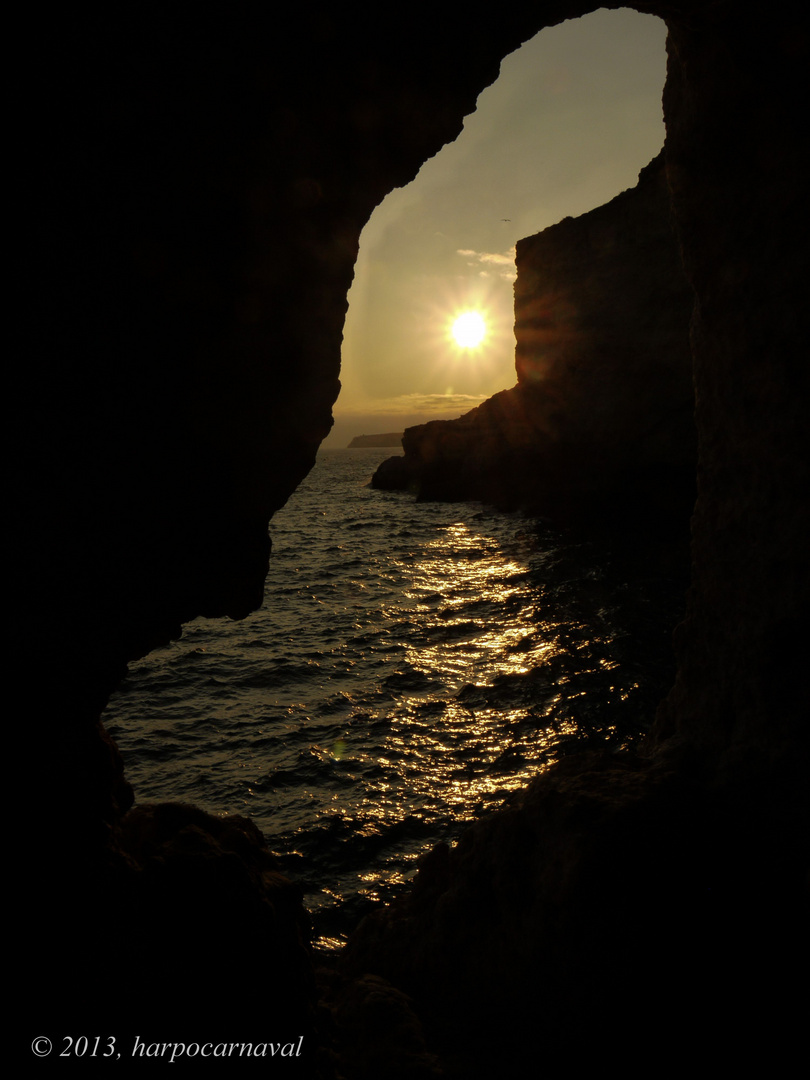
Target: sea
{"points": [[414, 665]]}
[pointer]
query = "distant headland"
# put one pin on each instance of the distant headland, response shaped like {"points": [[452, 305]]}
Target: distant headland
{"points": [[391, 438]]}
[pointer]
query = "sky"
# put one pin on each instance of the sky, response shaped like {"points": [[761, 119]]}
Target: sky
{"points": [[570, 122]]}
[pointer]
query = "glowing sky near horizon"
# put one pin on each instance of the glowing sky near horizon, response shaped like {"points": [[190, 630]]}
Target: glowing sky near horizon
{"points": [[573, 117]]}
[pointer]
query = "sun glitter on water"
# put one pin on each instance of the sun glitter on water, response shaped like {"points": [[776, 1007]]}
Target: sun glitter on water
{"points": [[469, 329]]}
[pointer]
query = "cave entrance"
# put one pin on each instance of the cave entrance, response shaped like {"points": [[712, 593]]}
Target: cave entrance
{"points": [[573, 117], [373, 667]]}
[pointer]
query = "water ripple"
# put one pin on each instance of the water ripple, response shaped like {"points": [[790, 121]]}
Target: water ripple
{"points": [[412, 666]]}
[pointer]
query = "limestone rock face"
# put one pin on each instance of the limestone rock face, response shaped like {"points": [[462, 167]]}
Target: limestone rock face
{"points": [[601, 420], [740, 697]]}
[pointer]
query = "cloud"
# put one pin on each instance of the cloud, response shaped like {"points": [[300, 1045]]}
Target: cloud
{"points": [[437, 402], [502, 263], [411, 404]]}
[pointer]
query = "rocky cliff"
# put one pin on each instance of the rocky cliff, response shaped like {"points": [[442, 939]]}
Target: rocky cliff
{"points": [[600, 423], [198, 183]]}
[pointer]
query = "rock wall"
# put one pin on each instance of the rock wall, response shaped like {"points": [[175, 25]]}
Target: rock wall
{"points": [[600, 423], [733, 167], [197, 186]]}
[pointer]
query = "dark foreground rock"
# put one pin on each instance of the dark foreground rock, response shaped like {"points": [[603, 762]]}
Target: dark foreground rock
{"points": [[600, 423], [200, 941], [606, 915]]}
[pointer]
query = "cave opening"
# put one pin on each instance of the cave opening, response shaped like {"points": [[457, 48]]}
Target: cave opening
{"points": [[151, 481], [397, 681]]}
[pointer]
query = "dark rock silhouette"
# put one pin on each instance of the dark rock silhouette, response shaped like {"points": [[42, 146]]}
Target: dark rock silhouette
{"points": [[600, 423], [197, 189], [389, 438]]}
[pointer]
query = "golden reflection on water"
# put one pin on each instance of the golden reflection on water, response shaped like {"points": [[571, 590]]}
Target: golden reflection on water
{"points": [[453, 568], [470, 601]]}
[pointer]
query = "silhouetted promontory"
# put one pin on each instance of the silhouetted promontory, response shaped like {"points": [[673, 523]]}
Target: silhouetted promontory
{"points": [[389, 438]]}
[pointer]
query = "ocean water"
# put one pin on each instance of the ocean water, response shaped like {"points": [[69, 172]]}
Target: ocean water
{"points": [[413, 665]]}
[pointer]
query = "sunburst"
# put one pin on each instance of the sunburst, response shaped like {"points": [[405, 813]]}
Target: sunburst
{"points": [[469, 329]]}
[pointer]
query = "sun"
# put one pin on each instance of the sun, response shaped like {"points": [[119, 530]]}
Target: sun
{"points": [[469, 329]]}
